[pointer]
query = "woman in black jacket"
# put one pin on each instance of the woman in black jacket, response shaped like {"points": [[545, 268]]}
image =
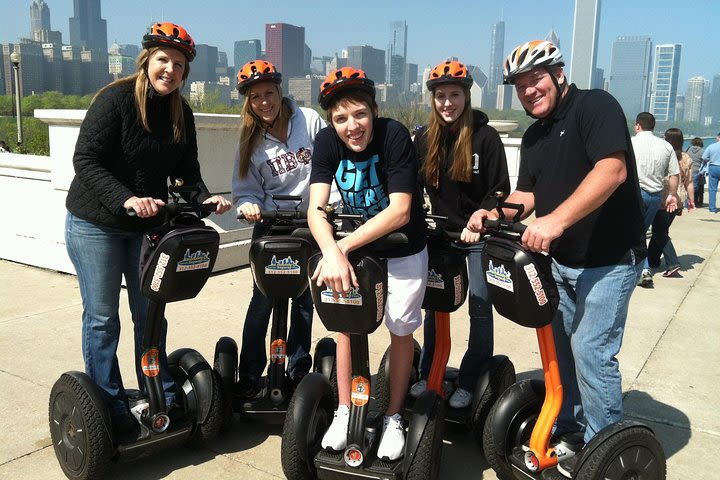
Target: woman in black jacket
{"points": [[137, 132], [462, 164]]}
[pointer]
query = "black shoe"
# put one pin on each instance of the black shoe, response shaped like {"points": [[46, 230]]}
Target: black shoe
{"points": [[646, 280], [123, 424], [567, 445], [248, 387]]}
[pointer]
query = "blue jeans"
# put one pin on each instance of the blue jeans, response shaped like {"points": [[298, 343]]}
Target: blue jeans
{"points": [[698, 187], [588, 329], [480, 342], [253, 354], [101, 256], [713, 177], [652, 202]]}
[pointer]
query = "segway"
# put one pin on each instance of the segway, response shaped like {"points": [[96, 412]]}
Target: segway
{"points": [[517, 436], [310, 413], [278, 263], [445, 292], [179, 264]]}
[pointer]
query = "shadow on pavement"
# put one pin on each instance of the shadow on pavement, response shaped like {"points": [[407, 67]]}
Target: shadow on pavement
{"points": [[641, 406]]}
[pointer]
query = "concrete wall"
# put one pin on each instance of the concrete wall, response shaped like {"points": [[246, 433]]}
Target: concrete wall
{"points": [[33, 189]]}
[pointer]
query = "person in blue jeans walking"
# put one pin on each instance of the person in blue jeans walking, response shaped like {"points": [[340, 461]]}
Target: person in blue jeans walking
{"points": [[462, 164], [273, 158], [137, 133], [657, 166], [578, 174], [712, 158]]}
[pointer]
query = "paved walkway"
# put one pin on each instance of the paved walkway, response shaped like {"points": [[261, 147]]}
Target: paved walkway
{"points": [[669, 364]]}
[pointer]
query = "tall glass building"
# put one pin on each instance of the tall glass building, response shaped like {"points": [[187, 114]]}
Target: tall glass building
{"points": [[497, 56], [285, 48], [630, 73], [87, 29], [665, 80], [694, 99], [396, 56], [585, 43], [246, 50]]}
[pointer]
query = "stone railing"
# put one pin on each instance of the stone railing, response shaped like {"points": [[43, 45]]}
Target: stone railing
{"points": [[33, 189]]}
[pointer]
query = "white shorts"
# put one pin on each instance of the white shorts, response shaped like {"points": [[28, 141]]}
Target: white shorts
{"points": [[407, 277]]}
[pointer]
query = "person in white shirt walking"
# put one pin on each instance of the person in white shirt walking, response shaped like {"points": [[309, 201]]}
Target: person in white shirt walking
{"points": [[655, 160]]}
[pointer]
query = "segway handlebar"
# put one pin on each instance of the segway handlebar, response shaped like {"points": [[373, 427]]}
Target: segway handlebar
{"points": [[438, 229], [172, 209], [503, 225]]}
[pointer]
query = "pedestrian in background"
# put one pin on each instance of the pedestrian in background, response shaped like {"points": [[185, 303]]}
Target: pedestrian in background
{"points": [[695, 150], [711, 156]]}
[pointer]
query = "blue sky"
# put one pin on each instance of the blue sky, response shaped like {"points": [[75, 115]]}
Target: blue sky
{"points": [[436, 29]]}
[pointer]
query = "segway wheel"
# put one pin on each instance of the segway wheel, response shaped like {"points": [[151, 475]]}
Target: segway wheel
{"points": [[510, 424], [501, 376], [630, 452], [78, 429], [225, 364], [425, 464], [199, 387], [308, 417], [324, 362], [382, 379]]}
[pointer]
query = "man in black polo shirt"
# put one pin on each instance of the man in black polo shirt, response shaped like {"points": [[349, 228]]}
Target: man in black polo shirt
{"points": [[578, 173]]}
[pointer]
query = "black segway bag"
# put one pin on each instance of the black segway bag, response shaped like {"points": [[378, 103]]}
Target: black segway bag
{"points": [[279, 265], [362, 309], [447, 281], [520, 283], [180, 263]]}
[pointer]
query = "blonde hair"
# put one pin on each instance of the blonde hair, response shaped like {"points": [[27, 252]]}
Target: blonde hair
{"points": [[142, 87], [436, 135], [252, 127]]}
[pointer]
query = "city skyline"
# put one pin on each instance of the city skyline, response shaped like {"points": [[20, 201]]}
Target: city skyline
{"points": [[435, 31]]}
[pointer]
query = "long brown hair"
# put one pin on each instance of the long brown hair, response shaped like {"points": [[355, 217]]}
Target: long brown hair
{"points": [[436, 137], [142, 88], [251, 128]]}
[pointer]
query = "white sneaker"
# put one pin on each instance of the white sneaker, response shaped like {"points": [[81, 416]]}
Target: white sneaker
{"points": [[392, 442], [336, 436], [461, 398], [418, 388]]}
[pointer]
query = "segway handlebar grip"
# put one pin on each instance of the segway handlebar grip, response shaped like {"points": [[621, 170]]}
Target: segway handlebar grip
{"points": [[499, 225]]}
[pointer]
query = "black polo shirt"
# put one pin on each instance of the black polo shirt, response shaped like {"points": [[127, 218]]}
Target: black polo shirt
{"points": [[558, 152]]}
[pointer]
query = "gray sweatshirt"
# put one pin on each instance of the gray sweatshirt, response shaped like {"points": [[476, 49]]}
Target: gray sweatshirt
{"points": [[278, 168], [695, 153]]}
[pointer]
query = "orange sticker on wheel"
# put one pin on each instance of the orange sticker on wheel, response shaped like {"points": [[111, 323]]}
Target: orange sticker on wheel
{"points": [[360, 391], [150, 362], [277, 351]]}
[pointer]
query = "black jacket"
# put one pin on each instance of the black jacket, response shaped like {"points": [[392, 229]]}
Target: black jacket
{"points": [[458, 200], [115, 158]]}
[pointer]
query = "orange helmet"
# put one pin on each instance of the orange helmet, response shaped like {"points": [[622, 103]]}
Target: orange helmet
{"points": [[256, 71], [525, 57], [170, 35], [343, 78], [449, 72]]}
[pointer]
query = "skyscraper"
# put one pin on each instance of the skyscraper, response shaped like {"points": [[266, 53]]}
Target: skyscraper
{"points": [[246, 50], [714, 109], [630, 73], [367, 58], [553, 37], [39, 16], [665, 79], [497, 52], [585, 43], [396, 56], [694, 98], [285, 48], [87, 29]]}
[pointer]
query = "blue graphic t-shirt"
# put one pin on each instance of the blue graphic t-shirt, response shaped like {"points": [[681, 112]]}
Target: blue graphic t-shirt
{"points": [[366, 179]]}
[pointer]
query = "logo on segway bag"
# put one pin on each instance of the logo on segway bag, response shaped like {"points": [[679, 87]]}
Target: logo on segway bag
{"points": [[499, 277], [151, 362], [435, 280], [536, 284], [277, 351], [285, 266], [360, 391], [159, 272], [352, 297], [194, 261]]}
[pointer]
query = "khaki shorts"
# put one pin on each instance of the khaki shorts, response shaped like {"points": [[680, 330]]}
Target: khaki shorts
{"points": [[407, 277]]}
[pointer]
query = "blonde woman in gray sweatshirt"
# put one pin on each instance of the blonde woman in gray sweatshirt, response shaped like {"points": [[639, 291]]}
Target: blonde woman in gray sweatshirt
{"points": [[273, 158]]}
